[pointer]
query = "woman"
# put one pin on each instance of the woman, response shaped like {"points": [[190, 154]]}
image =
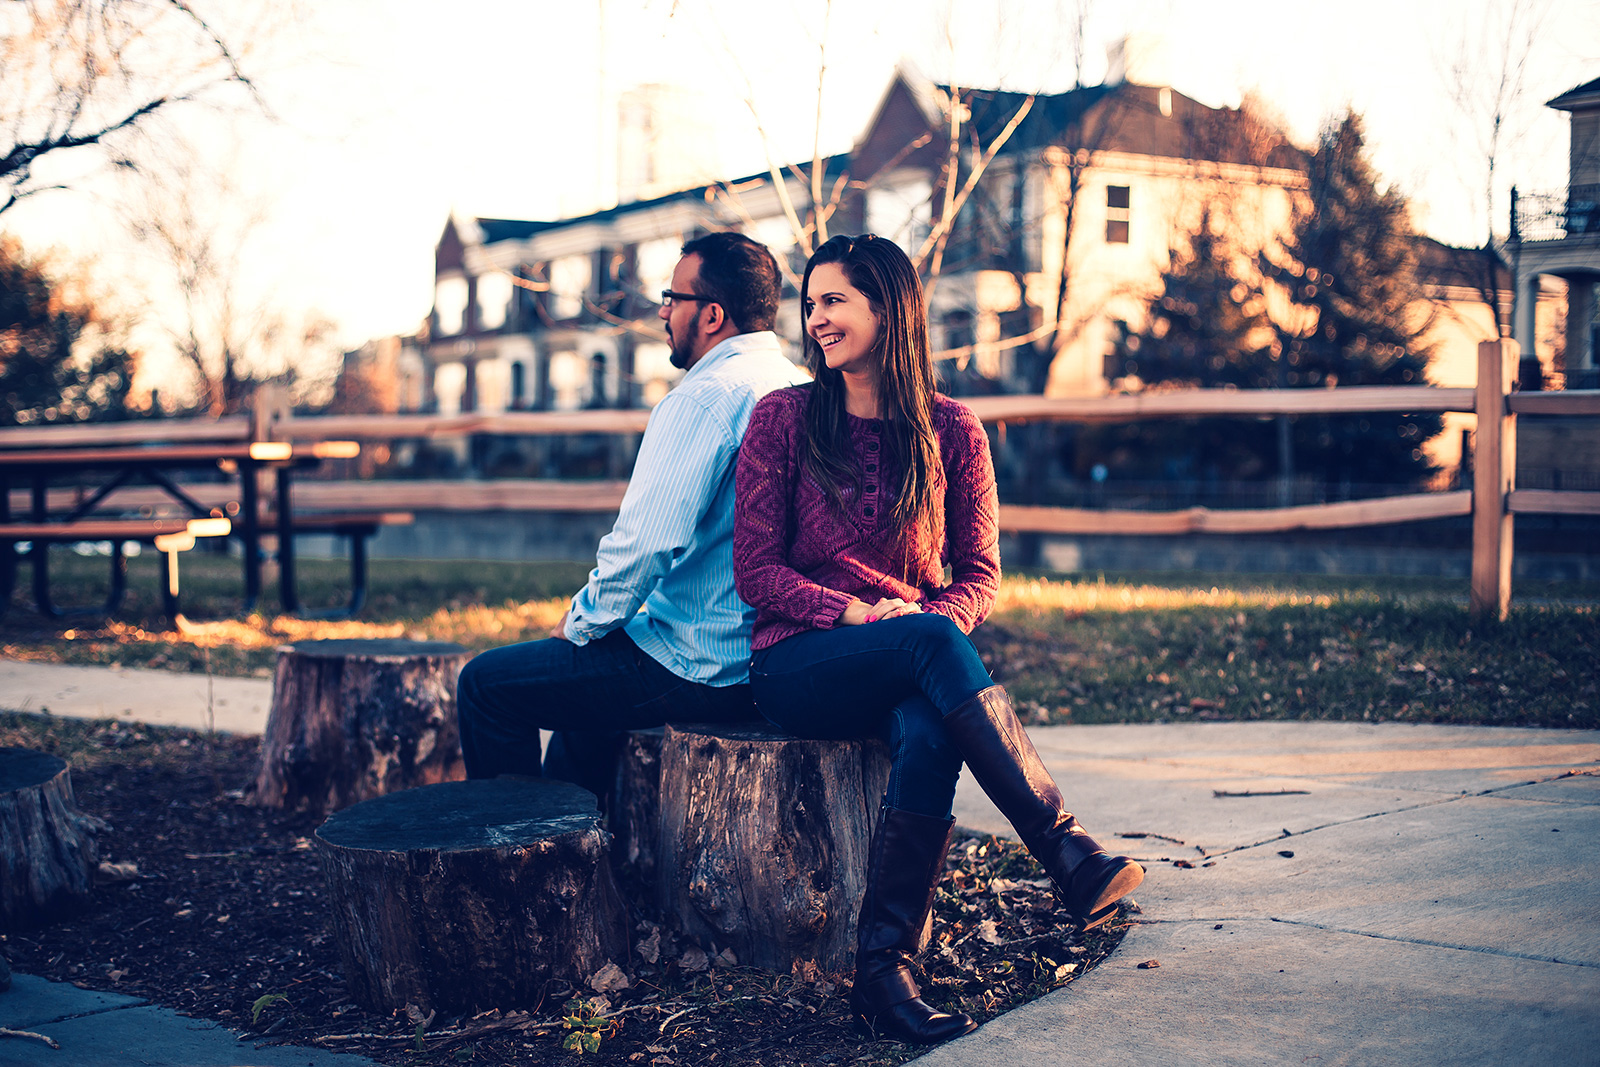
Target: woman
{"points": [[853, 493]]}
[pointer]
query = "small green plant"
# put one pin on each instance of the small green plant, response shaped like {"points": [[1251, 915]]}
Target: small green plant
{"points": [[263, 1003], [586, 1027]]}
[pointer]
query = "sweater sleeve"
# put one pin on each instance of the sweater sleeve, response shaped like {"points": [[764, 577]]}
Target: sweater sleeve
{"points": [[972, 524], [763, 523]]}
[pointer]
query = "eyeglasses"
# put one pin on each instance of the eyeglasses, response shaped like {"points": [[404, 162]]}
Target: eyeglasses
{"points": [[668, 296]]}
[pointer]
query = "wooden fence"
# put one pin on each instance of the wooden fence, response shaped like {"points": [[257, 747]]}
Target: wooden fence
{"points": [[1492, 502]]}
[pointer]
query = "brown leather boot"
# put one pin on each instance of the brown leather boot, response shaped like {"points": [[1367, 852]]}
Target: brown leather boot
{"points": [[1002, 758], [906, 861]]}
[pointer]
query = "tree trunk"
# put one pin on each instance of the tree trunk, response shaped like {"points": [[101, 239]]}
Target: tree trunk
{"points": [[473, 895], [47, 848], [353, 720], [764, 839]]}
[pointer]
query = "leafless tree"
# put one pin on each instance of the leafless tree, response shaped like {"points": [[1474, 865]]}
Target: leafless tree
{"points": [[1486, 75], [198, 228], [91, 74]]}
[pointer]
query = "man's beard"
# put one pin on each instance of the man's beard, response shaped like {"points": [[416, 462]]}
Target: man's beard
{"points": [[681, 352]]}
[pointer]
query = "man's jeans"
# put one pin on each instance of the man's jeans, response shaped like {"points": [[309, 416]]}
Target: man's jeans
{"points": [[896, 679], [589, 694]]}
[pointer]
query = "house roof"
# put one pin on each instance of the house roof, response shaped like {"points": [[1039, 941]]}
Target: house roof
{"points": [[495, 230], [1446, 265], [1583, 96]]}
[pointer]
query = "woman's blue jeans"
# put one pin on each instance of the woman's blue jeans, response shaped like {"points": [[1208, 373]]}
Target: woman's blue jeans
{"points": [[896, 679]]}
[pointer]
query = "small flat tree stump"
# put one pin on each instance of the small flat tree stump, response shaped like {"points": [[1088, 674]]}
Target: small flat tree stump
{"points": [[357, 719], [466, 896], [48, 850], [763, 842]]}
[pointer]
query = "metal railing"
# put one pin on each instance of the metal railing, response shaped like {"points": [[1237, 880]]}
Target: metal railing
{"points": [[1555, 216]]}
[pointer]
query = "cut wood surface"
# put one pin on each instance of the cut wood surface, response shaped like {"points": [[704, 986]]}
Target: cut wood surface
{"points": [[764, 837], [466, 896], [48, 850], [356, 719]]}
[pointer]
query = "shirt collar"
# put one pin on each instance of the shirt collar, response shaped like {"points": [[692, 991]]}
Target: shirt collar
{"points": [[738, 345]]}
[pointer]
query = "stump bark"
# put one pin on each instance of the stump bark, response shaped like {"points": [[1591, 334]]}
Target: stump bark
{"points": [[466, 896], [636, 808], [763, 842], [357, 719], [48, 851]]}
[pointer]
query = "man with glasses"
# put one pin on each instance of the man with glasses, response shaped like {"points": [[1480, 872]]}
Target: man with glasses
{"points": [[658, 633]]}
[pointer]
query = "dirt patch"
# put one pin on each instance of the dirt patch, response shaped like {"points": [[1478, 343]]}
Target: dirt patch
{"points": [[221, 916]]}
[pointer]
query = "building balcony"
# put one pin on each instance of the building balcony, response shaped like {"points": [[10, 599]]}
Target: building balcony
{"points": [[1558, 216]]}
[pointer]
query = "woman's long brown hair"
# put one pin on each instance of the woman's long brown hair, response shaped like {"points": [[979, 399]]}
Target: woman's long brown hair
{"points": [[884, 275]]}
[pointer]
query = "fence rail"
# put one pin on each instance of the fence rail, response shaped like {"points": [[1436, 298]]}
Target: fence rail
{"points": [[1491, 503]]}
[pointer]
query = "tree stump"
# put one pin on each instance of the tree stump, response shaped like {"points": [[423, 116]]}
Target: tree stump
{"points": [[48, 851], [466, 896], [764, 839], [353, 720], [636, 808]]}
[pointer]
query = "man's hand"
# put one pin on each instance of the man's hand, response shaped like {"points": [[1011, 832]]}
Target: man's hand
{"points": [[559, 631], [890, 607]]}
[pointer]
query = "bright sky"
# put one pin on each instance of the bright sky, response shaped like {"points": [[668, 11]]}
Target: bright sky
{"points": [[393, 113]]}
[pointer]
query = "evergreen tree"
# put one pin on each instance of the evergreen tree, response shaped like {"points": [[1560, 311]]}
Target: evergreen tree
{"points": [[1348, 271], [54, 366], [1335, 304]]}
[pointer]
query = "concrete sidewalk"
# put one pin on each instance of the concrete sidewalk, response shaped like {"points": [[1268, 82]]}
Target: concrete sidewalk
{"points": [[1388, 894], [1392, 894]]}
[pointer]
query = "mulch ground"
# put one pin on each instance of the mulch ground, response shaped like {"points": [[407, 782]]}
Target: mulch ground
{"points": [[214, 908]]}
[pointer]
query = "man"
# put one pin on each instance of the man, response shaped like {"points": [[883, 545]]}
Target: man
{"points": [[609, 666]]}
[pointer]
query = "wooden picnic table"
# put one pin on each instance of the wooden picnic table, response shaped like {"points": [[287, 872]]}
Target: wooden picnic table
{"points": [[122, 464]]}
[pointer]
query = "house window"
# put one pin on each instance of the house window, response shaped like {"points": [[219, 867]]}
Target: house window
{"points": [[450, 305], [519, 384], [1116, 214]]}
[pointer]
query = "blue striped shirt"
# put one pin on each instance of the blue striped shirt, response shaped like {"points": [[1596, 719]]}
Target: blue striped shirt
{"points": [[671, 550]]}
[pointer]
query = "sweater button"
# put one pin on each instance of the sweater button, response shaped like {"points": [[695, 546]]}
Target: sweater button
{"points": [[867, 511], [872, 468]]}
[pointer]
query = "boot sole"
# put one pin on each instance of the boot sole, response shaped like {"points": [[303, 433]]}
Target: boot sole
{"points": [[1123, 881]]}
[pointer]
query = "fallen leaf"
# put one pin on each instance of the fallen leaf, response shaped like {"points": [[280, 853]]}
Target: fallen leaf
{"points": [[1149, 965], [649, 949], [694, 960], [608, 979], [727, 959], [1286, 854], [989, 931]]}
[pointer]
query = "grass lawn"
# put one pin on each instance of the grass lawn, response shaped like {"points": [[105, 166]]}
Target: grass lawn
{"points": [[1072, 648]]}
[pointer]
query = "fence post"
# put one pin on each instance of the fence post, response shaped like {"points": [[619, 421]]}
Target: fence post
{"points": [[1494, 471]]}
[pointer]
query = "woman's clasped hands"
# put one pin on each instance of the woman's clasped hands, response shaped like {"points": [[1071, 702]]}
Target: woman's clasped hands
{"points": [[890, 607]]}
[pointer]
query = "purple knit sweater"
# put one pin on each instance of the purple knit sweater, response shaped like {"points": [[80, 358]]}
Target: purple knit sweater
{"points": [[798, 561]]}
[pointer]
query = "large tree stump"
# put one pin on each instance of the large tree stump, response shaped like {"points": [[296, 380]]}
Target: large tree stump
{"points": [[48, 851], [353, 720], [764, 839], [466, 896]]}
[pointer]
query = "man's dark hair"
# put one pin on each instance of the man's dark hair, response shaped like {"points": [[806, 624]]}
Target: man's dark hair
{"points": [[741, 275]]}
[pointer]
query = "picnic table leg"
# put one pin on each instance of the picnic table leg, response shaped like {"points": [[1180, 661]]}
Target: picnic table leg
{"points": [[288, 595], [39, 555], [8, 549], [250, 533], [358, 568], [119, 577], [169, 584]]}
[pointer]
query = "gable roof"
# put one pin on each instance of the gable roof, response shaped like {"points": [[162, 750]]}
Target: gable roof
{"points": [[1583, 96]]}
